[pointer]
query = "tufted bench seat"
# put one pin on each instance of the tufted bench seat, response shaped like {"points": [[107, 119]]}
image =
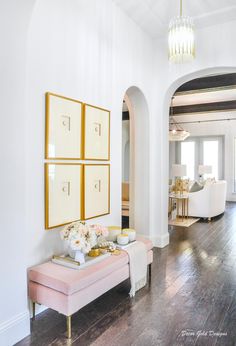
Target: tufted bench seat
{"points": [[67, 290]]}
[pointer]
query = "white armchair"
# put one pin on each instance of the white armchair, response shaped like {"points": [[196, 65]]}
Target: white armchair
{"points": [[208, 202]]}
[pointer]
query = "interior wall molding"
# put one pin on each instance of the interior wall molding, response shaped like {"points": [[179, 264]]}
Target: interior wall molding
{"points": [[15, 329], [159, 242]]}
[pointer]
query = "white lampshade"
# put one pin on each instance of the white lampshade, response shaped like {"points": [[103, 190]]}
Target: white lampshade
{"points": [[179, 170], [204, 169]]}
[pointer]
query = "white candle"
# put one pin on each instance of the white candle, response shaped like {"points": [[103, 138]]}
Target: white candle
{"points": [[131, 233], [114, 231], [123, 239]]}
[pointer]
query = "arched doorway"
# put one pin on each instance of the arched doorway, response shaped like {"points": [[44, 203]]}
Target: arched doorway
{"points": [[206, 136], [125, 165], [138, 147]]}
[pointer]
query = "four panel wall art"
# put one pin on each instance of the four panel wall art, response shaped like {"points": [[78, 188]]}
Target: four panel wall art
{"points": [[75, 131]]}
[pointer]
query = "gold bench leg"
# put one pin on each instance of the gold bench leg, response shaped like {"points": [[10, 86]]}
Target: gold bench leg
{"points": [[68, 323], [149, 273], [33, 309]]}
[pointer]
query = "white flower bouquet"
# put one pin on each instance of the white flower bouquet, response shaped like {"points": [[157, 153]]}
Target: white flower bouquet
{"points": [[83, 237]]}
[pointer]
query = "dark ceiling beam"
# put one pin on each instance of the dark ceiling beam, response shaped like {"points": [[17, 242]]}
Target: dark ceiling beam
{"points": [[205, 107], [211, 82], [125, 115]]}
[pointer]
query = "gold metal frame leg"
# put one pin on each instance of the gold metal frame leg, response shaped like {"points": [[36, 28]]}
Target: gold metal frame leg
{"points": [[149, 273], [33, 309], [68, 324]]}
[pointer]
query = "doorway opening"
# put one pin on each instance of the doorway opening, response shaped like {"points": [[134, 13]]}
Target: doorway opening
{"points": [[125, 165], [136, 161], [201, 165]]}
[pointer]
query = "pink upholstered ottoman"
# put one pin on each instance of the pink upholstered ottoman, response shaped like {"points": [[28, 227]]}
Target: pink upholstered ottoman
{"points": [[67, 290]]}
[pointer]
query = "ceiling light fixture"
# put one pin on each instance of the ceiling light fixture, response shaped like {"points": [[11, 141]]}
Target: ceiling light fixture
{"points": [[181, 38], [176, 132]]}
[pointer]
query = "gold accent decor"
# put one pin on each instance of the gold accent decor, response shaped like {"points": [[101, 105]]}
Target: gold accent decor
{"points": [[61, 120], [94, 253], [180, 186], [116, 252], [66, 193], [68, 324], [182, 205], [98, 198], [33, 309], [112, 228], [96, 128], [63, 116], [66, 259], [185, 223]]}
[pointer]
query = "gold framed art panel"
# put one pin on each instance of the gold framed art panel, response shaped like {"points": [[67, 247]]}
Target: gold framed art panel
{"points": [[64, 128], [63, 193], [75, 131], [96, 191], [96, 133]]}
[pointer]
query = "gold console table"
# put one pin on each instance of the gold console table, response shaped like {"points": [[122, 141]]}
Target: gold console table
{"points": [[182, 202]]}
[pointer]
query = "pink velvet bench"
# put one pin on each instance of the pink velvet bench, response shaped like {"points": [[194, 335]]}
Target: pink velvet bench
{"points": [[67, 290]]}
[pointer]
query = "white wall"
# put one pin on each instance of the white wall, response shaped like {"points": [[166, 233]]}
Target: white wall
{"points": [[125, 150], [172, 157], [88, 50], [14, 315], [84, 62]]}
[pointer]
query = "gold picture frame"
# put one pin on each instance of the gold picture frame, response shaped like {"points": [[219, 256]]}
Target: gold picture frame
{"points": [[96, 193], [96, 133], [63, 193], [64, 128]]}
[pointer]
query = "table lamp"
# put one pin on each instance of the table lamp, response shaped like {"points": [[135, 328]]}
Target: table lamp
{"points": [[179, 171]]}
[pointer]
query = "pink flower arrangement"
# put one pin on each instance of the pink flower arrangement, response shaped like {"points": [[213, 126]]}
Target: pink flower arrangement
{"points": [[83, 237], [100, 231]]}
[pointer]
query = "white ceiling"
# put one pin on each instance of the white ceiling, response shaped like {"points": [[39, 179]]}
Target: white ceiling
{"points": [[153, 16]]}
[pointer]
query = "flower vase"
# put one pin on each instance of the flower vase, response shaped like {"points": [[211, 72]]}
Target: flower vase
{"points": [[77, 255]]}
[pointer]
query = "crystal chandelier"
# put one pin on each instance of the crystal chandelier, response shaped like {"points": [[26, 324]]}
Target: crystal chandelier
{"points": [[181, 39], [176, 132]]}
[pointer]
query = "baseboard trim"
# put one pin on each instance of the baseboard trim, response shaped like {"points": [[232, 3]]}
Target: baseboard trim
{"points": [[15, 329], [160, 242]]}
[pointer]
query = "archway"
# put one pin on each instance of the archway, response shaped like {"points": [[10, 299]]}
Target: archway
{"points": [[167, 101], [139, 184]]}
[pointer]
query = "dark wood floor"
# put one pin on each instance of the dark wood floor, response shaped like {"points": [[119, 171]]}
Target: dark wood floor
{"points": [[191, 298]]}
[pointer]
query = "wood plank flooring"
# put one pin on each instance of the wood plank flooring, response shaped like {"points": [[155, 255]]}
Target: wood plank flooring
{"points": [[192, 297]]}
